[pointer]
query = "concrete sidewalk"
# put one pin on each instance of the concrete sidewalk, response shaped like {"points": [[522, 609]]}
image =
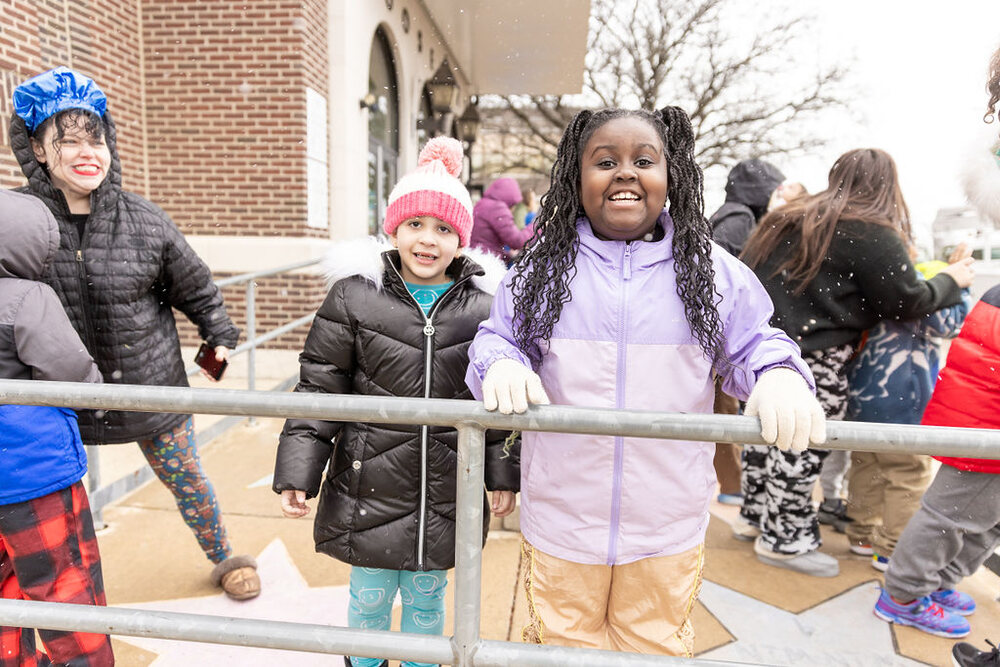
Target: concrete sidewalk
{"points": [[747, 612]]}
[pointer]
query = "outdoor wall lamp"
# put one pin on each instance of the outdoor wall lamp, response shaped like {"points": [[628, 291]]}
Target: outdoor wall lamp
{"points": [[443, 89], [369, 102], [468, 123], [467, 126]]}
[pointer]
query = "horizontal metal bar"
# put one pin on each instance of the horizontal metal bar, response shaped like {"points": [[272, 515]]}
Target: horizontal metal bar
{"points": [[509, 654], [975, 443], [310, 638], [226, 630], [264, 273]]}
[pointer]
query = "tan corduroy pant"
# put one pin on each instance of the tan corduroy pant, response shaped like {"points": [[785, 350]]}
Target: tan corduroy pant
{"points": [[884, 492], [640, 607]]}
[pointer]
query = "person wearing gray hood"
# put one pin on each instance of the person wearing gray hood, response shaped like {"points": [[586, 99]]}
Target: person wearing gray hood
{"points": [[48, 550], [748, 191]]}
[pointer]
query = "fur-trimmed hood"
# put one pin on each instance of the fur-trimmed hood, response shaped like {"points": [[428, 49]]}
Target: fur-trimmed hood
{"points": [[363, 257], [980, 174]]}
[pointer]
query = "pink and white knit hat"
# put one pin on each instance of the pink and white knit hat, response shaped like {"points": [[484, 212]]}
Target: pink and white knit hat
{"points": [[433, 189]]}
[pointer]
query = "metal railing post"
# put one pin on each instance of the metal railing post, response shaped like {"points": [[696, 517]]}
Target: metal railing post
{"points": [[252, 339], [94, 483], [468, 541]]}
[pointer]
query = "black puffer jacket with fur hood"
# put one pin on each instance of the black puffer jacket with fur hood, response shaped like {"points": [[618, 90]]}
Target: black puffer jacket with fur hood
{"points": [[369, 338], [118, 284]]}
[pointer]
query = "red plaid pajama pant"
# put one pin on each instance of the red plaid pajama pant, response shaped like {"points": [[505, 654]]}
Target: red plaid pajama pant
{"points": [[48, 552]]}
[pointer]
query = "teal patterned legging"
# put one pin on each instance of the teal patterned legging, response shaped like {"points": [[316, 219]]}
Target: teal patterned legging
{"points": [[173, 456], [373, 592]]}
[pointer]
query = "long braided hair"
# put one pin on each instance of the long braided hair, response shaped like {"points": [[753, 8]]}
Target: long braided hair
{"points": [[993, 88], [544, 271]]}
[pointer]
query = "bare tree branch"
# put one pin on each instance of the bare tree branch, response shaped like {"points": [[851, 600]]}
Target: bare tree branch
{"points": [[734, 80]]}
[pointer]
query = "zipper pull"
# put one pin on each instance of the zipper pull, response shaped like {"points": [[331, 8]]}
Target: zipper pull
{"points": [[79, 255], [428, 329], [627, 264]]}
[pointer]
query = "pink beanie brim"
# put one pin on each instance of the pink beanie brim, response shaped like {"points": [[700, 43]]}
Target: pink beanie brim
{"points": [[433, 189]]}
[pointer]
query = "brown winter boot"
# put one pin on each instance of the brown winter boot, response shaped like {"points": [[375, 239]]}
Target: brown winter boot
{"points": [[238, 577]]}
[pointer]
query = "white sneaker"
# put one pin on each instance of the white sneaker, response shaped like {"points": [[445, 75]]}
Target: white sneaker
{"points": [[744, 530], [862, 549], [812, 563]]}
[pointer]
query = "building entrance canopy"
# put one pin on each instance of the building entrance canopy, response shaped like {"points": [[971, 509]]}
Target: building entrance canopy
{"points": [[517, 46]]}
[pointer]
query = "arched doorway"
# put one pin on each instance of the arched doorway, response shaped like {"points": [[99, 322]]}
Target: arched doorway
{"points": [[383, 129]]}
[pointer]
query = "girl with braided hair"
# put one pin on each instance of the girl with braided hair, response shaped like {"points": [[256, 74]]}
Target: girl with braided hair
{"points": [[620, 303]]}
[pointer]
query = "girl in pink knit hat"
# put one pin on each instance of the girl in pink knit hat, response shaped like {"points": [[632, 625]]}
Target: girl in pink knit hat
{"points": [[398, 321]]}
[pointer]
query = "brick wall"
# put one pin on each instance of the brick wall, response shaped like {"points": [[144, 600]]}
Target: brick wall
{"points": [[225, 101], [224, 91], [280, 299], [210, 95], [101, 39]]}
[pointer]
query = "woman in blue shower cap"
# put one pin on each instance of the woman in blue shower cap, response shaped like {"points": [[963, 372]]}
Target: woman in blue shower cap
{"points": [[122, 265]]}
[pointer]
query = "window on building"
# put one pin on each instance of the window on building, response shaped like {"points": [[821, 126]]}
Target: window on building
{"points": [[383, 129], [317, 164]]}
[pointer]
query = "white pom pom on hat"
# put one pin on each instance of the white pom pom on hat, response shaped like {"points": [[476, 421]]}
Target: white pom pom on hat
{"points": [[433, 189], [445, 149]]}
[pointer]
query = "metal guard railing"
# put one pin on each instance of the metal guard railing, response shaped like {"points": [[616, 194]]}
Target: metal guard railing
{"points": [[466, 646]]}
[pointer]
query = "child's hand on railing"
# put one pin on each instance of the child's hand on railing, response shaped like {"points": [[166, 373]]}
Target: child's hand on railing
{"points": [[293, 503], [511, 387], [503, 503], [790, 416]]}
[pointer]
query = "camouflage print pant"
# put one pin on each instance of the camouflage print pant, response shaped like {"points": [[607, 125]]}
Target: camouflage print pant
{"points": [[777, 486]]}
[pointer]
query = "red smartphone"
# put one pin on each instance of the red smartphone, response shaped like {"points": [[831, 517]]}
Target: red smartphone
{"points": [[206, 359]]}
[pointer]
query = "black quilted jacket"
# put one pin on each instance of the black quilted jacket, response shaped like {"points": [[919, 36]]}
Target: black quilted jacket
{"points": [[369, 338], [118, 286]]}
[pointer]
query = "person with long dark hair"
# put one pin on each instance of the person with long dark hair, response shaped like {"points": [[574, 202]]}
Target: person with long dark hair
{"points": [[835, 264], [621, 303]]}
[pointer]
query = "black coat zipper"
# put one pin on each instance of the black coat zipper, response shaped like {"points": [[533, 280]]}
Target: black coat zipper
{"points": [[428, 377], [81, 273]]}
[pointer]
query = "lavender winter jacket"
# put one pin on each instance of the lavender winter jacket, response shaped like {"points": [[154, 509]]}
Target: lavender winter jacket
{"points": [[623, 342], [494, 225]]}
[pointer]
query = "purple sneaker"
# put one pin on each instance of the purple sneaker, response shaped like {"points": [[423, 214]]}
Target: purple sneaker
{"points": [[954, 601], [923, 614]]}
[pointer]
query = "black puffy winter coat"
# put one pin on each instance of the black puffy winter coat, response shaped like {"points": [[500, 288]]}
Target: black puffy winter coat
{"points": [[369, 338], [118, 284]]}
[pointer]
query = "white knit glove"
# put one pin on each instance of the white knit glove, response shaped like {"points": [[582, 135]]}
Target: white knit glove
{"points": [[510, 386], [790, 416]]}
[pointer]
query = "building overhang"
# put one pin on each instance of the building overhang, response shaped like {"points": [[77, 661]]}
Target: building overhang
{"points": [[516, 46]]}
